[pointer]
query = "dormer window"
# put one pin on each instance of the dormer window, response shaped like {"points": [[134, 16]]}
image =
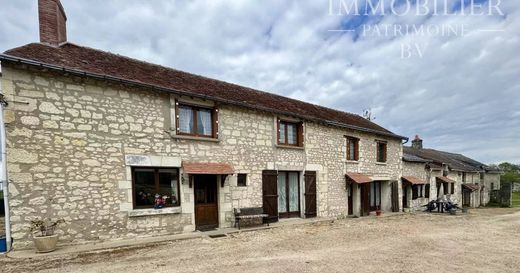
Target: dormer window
{"points": [[290, 133]]}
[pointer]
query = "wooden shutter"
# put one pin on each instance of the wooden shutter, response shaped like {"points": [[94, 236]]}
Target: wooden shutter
{"points": [[427, 191], [177, 115], [415, 192], [214, 120], [384, 152], [301, 135], [452, 188], [365, 199], [310, 195], [348, 148], [356, 149], [270, 195], [395, 197]]}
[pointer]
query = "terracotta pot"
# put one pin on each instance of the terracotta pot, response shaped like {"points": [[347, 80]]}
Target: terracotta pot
{"points": [[45, 244], [378, 213]]}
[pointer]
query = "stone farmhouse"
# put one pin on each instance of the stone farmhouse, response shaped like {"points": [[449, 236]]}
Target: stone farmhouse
{"points": [[429, 174], [93, 137]]}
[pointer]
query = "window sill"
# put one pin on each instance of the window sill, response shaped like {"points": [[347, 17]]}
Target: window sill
{"points": [[152, 212], [289, 147], [208, 139], [352, 161], [381, 163]]}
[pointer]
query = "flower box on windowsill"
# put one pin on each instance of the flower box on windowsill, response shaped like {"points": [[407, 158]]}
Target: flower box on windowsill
{"points": [[152, 212]]}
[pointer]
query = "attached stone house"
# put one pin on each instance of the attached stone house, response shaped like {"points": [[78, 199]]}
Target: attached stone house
{"points": [[93, 137], [430, 174]]}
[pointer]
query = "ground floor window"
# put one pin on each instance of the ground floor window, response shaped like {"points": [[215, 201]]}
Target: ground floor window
{"points": [[375, 195], [149, 184], [288, 194], [417, 191]]}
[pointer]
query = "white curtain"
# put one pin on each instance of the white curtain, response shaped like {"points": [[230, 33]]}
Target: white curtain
{"points": [[291, 134], [204, 123], [282, 194], [282, 133], [185, 120], [293, 192]]}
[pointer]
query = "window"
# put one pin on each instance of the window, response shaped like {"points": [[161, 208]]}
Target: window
{"points": [[463, 177], [196, 121], [375, 195], [452, 191], [381, 152], [427, 191], [147, 182], [492, 186], [242, 180], [481, 176], [417, 191], [290, 133], [288, 194], [352, 148]]}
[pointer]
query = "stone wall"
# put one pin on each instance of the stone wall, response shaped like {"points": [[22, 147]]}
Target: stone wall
{"points": [[418, 170], [69, 140]]}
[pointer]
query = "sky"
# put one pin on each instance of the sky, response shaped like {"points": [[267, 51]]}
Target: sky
{"points": [[456, 83]]}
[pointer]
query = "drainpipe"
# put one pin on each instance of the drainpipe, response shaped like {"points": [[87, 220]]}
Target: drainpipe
{"points": [[3, 173]]}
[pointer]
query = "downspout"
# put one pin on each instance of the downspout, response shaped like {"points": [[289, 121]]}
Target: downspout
{"points": [[3, 173]]}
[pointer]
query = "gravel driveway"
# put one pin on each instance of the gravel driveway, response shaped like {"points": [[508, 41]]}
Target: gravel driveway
{"points": [[486, 240]]}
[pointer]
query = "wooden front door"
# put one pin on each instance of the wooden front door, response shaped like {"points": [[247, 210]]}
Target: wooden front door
{"points": [[310, 195], [270, 195], [466, 198], [405, 196], [350, 199], [365, 199], [206, 202], [395, 197]]}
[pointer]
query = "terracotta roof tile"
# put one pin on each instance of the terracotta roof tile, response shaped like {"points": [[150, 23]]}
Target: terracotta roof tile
{"points": [[414, 180], [471, 186], [358, 178], [445, 179], [101, 63], [207, 168]]}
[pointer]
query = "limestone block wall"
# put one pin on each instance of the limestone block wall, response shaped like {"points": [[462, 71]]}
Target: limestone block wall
{"points": [[418, 170], [388, 172], [69, 140]]}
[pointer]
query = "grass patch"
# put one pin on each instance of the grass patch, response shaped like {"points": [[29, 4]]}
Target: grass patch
{"points": [[516, 199]]}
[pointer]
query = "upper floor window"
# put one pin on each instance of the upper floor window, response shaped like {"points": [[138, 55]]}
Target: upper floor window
{"points": [[290, 133], [464, 177], [196, 121], [352, 148], [153, 185], [381, 151], [242, 180]]}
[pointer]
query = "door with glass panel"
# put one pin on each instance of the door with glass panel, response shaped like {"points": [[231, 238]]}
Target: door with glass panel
{"points": [[288, 194]]}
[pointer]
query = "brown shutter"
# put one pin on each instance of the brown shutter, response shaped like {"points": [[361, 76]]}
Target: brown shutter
{"points": [[214, 117], [356, 150], [348, 148], [177, 115], [310, 194], [365, 199], [301, 135], [270, 195], [395, 197], [427, 191], [278, 131]]}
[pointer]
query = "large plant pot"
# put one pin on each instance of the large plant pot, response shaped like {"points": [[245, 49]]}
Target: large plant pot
{"points": [[46, 243]]}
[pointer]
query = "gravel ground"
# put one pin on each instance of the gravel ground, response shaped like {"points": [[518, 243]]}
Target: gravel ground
{"points": [[485, 240]]}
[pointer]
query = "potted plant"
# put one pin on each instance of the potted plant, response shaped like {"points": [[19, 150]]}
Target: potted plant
{"points": [[379, 211], [43, 234]]}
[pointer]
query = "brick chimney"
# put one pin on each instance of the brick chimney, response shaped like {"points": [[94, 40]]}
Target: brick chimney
{"points": [[53, 22], [417, 142]]}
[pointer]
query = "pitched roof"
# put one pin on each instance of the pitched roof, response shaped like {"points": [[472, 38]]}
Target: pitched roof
{"points": [[412, 158], [100, 64], [454, 161]]}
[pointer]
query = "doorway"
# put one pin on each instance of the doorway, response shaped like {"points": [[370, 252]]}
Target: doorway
{"points": [[206, 202], [466, 198], [405, 196], [288, 194], [350, 199]]}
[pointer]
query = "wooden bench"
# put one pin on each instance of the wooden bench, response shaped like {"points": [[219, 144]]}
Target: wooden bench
{"points": [[248, 213]]}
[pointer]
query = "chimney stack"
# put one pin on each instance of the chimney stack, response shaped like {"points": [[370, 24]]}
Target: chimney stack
{"points": [[53, 22], [417, 142]]}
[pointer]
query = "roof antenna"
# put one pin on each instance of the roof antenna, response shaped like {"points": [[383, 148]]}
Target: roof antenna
{"points": [[367, 113]]}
